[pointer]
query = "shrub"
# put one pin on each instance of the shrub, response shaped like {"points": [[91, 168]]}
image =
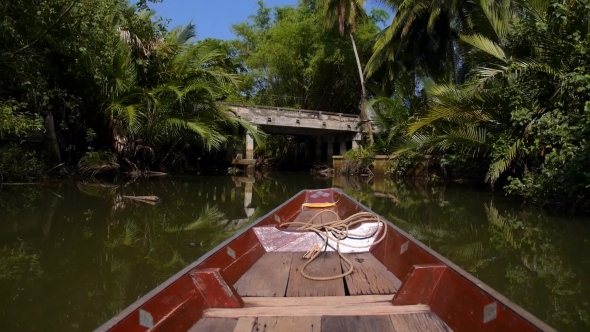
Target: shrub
{"points": [[19, 165], [358, 161]]}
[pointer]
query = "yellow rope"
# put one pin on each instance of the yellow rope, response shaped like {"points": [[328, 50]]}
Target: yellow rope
{"points": [[336, 231]]}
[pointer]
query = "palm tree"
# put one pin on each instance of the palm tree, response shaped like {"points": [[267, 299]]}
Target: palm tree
{"points": [[466, 116], [421, 38], [177, 98], [347, 14]]}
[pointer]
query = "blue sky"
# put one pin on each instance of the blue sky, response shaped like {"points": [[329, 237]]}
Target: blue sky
{"points": [[213, 18]]}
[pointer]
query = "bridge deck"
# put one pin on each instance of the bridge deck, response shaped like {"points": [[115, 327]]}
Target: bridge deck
{"points": [[291, 121]]}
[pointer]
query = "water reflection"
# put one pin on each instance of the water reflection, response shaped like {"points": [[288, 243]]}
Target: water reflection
{"points": [[537, 260], [72, 256]]}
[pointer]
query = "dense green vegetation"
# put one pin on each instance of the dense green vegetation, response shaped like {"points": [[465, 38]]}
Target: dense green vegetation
{"points": [[492, 91], [109, 86], [502, 84], [293, 60]]}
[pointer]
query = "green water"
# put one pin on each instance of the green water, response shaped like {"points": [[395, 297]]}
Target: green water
{"points": [[73, 255]]}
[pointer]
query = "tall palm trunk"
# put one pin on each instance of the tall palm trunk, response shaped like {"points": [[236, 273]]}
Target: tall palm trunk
{"points": [[364, 116]]}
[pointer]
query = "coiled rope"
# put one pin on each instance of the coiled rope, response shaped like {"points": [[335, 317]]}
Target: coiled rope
{"points": [[337, 231]]}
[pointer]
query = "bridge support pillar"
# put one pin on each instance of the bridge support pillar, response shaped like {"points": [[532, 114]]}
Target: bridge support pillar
{"points": [[249, 146], [248, 199], [249, 153], [342, 147]]}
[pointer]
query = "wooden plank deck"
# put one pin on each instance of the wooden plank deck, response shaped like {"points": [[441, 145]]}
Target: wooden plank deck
{"points": [[325, 265], [245, 324], [423, 322], [215, 325], [322, 314], [291, 324], [356, 323], [418, 322], [268, 277], [278, 274], [369, 276]]}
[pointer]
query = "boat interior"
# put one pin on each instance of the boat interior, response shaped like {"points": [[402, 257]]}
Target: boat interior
{"points": [[282, 274]]}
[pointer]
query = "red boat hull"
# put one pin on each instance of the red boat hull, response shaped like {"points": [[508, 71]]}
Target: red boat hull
{"points": [[463, 302]]}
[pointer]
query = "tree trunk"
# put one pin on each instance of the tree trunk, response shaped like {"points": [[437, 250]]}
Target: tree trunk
{"points": [[119, 139], [364, 117], [50, 138]]}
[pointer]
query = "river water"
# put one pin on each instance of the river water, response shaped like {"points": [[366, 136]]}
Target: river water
{"points": [[73, 255]]}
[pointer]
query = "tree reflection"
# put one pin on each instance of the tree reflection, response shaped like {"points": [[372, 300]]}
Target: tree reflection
{"points": [[103, 252], [160, 240], [19, 263], [14, 200], [524, 254], [542, 275]]}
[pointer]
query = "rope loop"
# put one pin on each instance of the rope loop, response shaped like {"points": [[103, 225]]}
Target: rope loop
{"points": [[337, 231]]}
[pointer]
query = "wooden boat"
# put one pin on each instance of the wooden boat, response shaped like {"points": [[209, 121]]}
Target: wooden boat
{"points": [[258, 280]]}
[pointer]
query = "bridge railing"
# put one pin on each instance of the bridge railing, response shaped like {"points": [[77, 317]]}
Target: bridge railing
{"points": [[294, 110]]}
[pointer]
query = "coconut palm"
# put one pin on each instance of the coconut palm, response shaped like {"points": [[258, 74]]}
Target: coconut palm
{"points": [[419, 45], [346, 14], [464, 116], [421, 38]]}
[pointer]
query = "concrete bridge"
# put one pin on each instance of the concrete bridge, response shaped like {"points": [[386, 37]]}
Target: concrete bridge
{"points": [[324, 134]]}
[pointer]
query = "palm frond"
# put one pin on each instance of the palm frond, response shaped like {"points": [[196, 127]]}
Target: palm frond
{"points": [[209, 216], [380, 54], [467, 252], [538, 8], [469, 135], [181, 35], [210, 135], [445, 111], [129, 114], [526, 65], [500, 166], [434, 15], [258, 135], [414, 142], [498, 16], [502, 224], [482, 76], [485, 44]]}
